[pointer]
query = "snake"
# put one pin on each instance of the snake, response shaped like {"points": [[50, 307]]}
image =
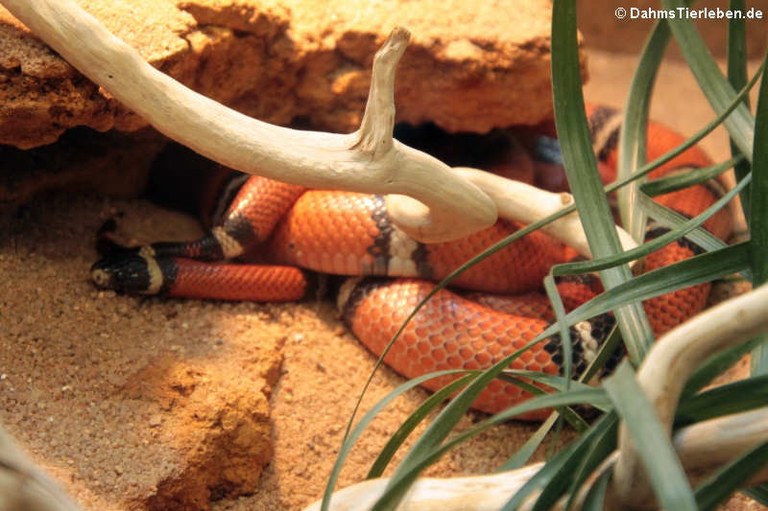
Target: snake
{"points": [[270, 237]]}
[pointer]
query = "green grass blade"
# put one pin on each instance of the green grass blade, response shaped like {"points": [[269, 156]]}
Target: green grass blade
{"points": [[719, 93], [673, 220], [557, 383], [524, 453], [413, 420], [737, 76], [632, 137], [696, 270], [628, 175], [354, 433], [675, 182], [607, 351], [759, 493], [567, 414], [559, 463], [581, 169], [653, 445], [716, 366], [600, 449], [609, 188], [758, 220], [739, 396], [728, 479], [562, 466], [595, 446], [564, 332], [595, 499], [405, 476], [434, 435], [686, 227]]}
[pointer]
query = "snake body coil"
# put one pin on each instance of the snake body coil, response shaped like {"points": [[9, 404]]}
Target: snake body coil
{"points": [[344, 233]]}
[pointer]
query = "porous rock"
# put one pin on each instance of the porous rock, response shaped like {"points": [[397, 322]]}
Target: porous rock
{"points": [[216, 426], [470, 67]]}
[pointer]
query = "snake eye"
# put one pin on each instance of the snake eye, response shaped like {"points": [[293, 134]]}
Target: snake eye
{"points": [[125, 273]]}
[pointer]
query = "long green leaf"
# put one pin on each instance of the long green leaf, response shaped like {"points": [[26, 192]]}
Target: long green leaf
{"points": [[719, 93], [595, 498], [696, 270], [355, 432], [405, 477], [737, 76], [728, 479], [524, 453], [678, 231], [665, 472], [430, 440], [566, 463], [758, 220], [759, 493], [632, 137], [671, 219], [675, 182], [717, 365], [629, 149], [735, 397], [583, 178], [596, 444], [413, 420], [559, 463], [564, 332], [567, 414]]}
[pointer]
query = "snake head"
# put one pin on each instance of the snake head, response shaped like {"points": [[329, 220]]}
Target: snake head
{"points": [[127, 272]]}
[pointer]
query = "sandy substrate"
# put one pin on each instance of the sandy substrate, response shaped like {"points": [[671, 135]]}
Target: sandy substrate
{"points": [[66, 350]]}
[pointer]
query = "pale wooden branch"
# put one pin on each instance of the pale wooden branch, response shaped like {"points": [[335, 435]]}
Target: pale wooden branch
{"points": [[447, 205], [487, 492], [668, 366], [424, 197], [702, 447], [713, 443], [527, 204], [24, 486], [368, 160]]}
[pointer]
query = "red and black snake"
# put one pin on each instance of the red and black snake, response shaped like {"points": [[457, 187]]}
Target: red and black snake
{"points": [[292, 229]]}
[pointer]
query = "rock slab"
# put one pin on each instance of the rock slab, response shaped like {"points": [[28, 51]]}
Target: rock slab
{"points": [[469, 67]]}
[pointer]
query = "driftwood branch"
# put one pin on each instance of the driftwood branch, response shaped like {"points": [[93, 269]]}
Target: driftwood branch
{"points": [[369, 160], [527, 204], [24, 486], [425, 198], [667, 368]]}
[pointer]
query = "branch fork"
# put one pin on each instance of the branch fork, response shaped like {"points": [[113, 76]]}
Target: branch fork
{"points": [[425, 198]]}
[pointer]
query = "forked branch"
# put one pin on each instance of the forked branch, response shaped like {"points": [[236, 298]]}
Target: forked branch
{"points": [[368, 160], [426, 198]]}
